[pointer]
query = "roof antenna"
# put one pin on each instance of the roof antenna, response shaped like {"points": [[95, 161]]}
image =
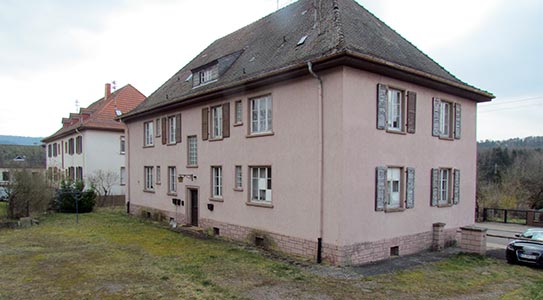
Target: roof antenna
{"points": [[277, 5], [118, 112], [77, 105]]}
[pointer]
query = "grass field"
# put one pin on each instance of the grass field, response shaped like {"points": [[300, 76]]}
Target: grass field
{"points": [[3, 210], [109, 255]]}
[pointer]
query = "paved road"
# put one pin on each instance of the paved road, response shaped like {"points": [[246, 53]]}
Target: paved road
{"points": [[506, 230]]}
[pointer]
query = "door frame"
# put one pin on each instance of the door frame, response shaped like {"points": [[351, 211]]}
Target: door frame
{"points": [[188, 196]]}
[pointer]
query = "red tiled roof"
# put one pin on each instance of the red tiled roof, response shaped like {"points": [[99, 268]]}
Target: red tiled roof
{"points": [[101, 114]]}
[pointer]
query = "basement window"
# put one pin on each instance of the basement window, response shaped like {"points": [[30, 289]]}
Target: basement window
{"points": [[395, 251]]}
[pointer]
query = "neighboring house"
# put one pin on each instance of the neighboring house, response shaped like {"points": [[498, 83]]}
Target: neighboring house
{"points": [[15, 158], [310, 125], [93, 140]]}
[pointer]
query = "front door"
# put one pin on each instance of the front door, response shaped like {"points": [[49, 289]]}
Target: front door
{"points": [[193, 207]]}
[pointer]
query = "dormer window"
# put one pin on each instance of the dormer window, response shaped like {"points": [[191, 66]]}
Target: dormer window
{"points": [[205, 75]]}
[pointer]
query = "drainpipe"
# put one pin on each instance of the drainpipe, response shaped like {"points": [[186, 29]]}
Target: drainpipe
{"points": [[127, 160], [321, 163]]}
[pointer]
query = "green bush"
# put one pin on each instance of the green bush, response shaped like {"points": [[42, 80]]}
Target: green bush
{"points": [[28, 194], [69, 192]]}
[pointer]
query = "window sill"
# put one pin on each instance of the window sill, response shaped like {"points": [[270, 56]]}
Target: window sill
{"points": [[253, 135], [393, 210], [216, 199], [172, 194], [191, 166], [446, 138], [238, 189], [238, 124], [216, 139], [148, 146], [171, 144], [444, 205], [257, 204], [400, 132], [122, 184], [122, 153], [149, 191]]}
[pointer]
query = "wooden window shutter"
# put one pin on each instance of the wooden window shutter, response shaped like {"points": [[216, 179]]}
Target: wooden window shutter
{"points": [[381, 106], [164, 131], [435, 187], [410, 188], [411, 111], [178, 128], [380, 188], [457, 120], [456, 187], [226, 120], [205, 123], [436, 117]]}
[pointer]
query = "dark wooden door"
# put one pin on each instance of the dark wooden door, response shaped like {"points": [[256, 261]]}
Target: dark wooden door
{"points": [[194, 207]]}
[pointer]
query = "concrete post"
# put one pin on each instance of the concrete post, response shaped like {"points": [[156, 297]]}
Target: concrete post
{"points": [[438, 237], [473, 240]]}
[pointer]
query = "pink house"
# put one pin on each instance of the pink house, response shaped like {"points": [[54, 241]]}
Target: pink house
{"points": [[317, 127]]}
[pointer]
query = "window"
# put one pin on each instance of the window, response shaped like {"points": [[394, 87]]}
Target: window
{"points": [[148, 133], [216, 179], [171, 130], [395, 110], [5, 176], [55, 152], [394, 187], [49, 150], [71, 146], [79, 145], [445, 187], [79, 173], [261, 184], [158, 177], [216, 122], [239, 113], [239, 178], [122, 145], [261, 114], [148, 178], [205, 75], [172, 180], [71, 173], [447, 118], [192, 159], [123, 176], [158, 129]]}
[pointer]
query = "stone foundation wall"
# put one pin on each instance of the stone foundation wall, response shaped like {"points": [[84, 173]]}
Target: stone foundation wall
{"points": [[157, 214]]}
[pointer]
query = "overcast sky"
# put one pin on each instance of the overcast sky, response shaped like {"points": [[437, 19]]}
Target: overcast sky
{"points": [[54, 52]]}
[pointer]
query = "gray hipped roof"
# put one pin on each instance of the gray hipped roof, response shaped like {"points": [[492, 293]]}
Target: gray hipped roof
{"points": [[270, 46]]}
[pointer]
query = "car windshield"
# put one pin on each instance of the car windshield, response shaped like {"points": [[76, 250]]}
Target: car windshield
{"points": [[531, 231], [538, 236]]}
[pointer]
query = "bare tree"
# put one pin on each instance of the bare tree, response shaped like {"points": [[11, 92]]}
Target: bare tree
{"points": [[103, 182]]}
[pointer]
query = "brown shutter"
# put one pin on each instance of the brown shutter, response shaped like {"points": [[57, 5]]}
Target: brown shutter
{"points": [[457, 121], [456, 187], [411, 111], [436, 116], [435, 187], [178, 128], [164, 131], [381, 106], [380, 188], [226, 120], [205, 124], [410, 188]]}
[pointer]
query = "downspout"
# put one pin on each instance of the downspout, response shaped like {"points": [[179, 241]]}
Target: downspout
{"points": [[321, 163], [127, 159]]}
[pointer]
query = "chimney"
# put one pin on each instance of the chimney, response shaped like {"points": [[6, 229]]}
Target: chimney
{"points": [[108, 90]]}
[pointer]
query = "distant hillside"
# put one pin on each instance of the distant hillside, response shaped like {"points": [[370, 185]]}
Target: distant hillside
{"points": [[34, 156], [19, 140], [531, 142]]}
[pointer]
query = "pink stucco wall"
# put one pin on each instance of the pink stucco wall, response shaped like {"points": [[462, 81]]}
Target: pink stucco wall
{"points": [[353, 147]]}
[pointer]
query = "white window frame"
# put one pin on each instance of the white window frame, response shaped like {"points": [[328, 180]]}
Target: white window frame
{"points": [[216, 182], [148, 134], [216, 122], [172, 180], [171, 129], [192, 151], [395, 110], [122, 176], [261, 114], [238, 175], [261, 185], [148, 178], [395, 174], [445, 181], [238, 107], [446, 119], [158, 129], [122, 144]]}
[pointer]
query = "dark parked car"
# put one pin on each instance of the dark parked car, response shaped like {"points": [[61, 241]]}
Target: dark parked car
{"points": [[529, 233], [526, 251]]}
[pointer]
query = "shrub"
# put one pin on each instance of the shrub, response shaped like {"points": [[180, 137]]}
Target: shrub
{"points": [[69, 192], [28, 194]]}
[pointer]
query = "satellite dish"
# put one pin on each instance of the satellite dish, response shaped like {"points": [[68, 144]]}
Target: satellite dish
{"points": [[118, 112]]}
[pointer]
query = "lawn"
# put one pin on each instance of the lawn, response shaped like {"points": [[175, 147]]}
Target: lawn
{"points": [[3, 210], [109, 255]]}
